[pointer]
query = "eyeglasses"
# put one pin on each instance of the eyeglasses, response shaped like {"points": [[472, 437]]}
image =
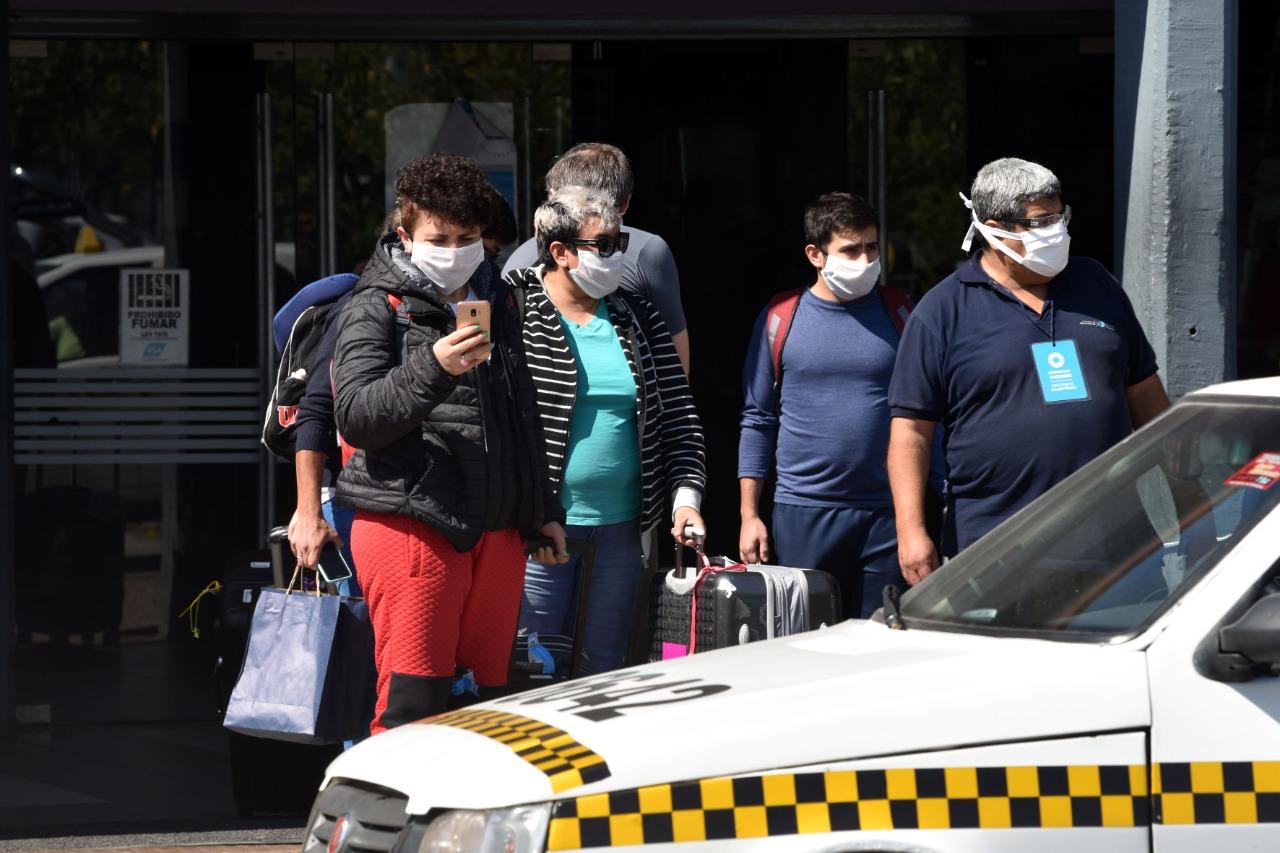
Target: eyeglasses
{"points": [[1043, 221], [605, 245]]}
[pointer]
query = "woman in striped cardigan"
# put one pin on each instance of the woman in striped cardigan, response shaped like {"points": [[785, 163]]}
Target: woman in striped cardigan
{"points": [[622, 433]]}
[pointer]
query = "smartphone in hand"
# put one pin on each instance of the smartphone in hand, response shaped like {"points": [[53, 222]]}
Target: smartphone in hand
{"points": [[331, 565], [474, 312]]}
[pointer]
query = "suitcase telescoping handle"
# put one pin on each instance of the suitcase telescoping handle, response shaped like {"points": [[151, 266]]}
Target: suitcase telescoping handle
{"points": [[586, 553], [700, 535], [278, 544]]}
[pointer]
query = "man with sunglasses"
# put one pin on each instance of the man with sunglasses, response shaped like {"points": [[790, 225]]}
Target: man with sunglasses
{"points": [[1031, 359]]}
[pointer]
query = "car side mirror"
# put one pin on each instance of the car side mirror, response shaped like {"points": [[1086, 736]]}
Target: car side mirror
{"points": [[1255, 636]]}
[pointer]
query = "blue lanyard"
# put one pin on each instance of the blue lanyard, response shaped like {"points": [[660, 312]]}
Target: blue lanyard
{"points": [[1026, 312], [1024, 308]]}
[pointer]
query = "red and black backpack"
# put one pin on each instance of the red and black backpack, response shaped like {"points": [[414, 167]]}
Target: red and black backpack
{"points": [[781, 310]]}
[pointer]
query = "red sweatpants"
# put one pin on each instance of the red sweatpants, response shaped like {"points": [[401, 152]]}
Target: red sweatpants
{"points": [[434, 609]]}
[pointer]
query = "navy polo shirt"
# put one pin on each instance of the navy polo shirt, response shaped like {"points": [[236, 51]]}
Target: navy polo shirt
{"points": [[965, 361]]}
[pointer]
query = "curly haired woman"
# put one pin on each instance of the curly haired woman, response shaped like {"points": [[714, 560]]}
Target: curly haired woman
{"points": [[449, 474]]}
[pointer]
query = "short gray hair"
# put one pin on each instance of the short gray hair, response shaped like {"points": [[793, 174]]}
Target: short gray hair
{"points": [[1003, 188], [565, 213], [596, 166]]}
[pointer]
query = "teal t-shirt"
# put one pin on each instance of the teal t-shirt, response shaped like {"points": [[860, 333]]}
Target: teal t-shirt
{"points": [[602, 471]]}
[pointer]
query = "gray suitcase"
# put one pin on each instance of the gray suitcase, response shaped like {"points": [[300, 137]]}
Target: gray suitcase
{"points": [[736, 605]]}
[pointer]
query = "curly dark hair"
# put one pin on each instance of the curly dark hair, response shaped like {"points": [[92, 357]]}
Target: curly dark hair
{"points": [[444, 186]]}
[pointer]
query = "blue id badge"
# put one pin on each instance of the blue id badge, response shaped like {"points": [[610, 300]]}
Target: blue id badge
{"points": [[1058, 366]]}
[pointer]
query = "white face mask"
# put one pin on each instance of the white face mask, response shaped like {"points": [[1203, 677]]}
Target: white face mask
{"points": [[1047, 249], [848, 279], [448, 269], [595, 276]]}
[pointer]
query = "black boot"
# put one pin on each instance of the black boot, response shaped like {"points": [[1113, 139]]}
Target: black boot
{"points": [[488, 694], [413, 697]]}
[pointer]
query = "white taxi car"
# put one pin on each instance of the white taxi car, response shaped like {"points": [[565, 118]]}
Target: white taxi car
{"points": [[1098, 674]]}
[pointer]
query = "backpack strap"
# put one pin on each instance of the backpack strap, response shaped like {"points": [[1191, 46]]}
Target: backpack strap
{"points": [[897, 304], [398, 306], [404, 319], [406, 308], [779, 313], [782, 310]]}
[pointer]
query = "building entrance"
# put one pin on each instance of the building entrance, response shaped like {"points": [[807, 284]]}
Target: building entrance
{"points": [[259, 167]]}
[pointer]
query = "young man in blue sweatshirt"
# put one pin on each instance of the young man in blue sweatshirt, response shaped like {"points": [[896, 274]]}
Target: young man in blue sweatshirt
{"points": [[823, 419]]}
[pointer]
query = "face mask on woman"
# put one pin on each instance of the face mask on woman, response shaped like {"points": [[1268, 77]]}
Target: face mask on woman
{"points": [[1047, 249], [448, 269], [595, 276], [848, 279]]}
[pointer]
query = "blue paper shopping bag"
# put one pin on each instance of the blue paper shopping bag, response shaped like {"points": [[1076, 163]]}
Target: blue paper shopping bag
{"points": [[281, 692]]}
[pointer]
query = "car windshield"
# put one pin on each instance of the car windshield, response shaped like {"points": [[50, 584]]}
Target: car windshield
{"points": [[1100, 556]]}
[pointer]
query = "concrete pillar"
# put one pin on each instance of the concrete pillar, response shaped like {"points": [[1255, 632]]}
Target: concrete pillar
{"points": [[1175, 167]]}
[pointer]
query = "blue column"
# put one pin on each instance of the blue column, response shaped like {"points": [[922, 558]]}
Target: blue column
{"points": [[1175, 168]]}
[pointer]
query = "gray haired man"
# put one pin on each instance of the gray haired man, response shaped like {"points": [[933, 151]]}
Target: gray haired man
{"points": [[649, 269], [1030, 358]]}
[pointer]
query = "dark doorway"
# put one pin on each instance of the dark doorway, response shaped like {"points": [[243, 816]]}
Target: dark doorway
{"points": [[729, 140], [1068, 127]]}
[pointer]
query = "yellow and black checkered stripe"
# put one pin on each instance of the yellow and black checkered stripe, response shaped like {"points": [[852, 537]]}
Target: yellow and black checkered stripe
{"points": [[566, 762], [848, 800], [1217, 792]]}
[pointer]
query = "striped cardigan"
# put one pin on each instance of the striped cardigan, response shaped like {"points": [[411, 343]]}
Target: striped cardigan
{"points": [[672, 452]]}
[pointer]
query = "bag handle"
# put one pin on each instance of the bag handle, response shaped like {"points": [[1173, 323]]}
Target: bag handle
{"points": [[297, 575]]}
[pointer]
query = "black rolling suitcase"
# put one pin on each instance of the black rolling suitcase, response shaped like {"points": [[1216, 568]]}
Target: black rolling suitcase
{"points": [[268, 777], [562, 657], [724, 603]]}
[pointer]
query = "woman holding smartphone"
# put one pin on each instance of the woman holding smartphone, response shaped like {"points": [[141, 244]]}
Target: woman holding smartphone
{"points": [[447, 475], [623, 436]]}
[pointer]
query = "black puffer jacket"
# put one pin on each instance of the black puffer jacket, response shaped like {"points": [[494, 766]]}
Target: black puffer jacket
{"points": [[464, 454]]}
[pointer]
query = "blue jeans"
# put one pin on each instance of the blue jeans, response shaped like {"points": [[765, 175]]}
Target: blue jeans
{"points": [[340, 518], [550, 593], [859, 547]]}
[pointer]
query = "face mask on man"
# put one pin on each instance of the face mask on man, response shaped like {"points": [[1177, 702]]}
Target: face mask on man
{"points": [[448, 269], [595, 276], [848, 279], [1047, 249]]}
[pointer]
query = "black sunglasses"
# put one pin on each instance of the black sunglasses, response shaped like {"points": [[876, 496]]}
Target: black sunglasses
{"points": [[606, 245]]}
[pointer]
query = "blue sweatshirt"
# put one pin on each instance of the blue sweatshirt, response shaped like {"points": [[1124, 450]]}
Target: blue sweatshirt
{"points": [[316, 427], [830, 428]]}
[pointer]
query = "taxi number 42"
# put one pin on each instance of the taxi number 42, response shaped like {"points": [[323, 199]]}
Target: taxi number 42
{"points": [[606, 697]]}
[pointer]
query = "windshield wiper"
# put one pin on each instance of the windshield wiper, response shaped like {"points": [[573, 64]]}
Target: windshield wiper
{"points": [[892, 612]]}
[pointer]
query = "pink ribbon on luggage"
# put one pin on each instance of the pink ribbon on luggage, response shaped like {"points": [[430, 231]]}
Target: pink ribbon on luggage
{"points": [[706, 568]]}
